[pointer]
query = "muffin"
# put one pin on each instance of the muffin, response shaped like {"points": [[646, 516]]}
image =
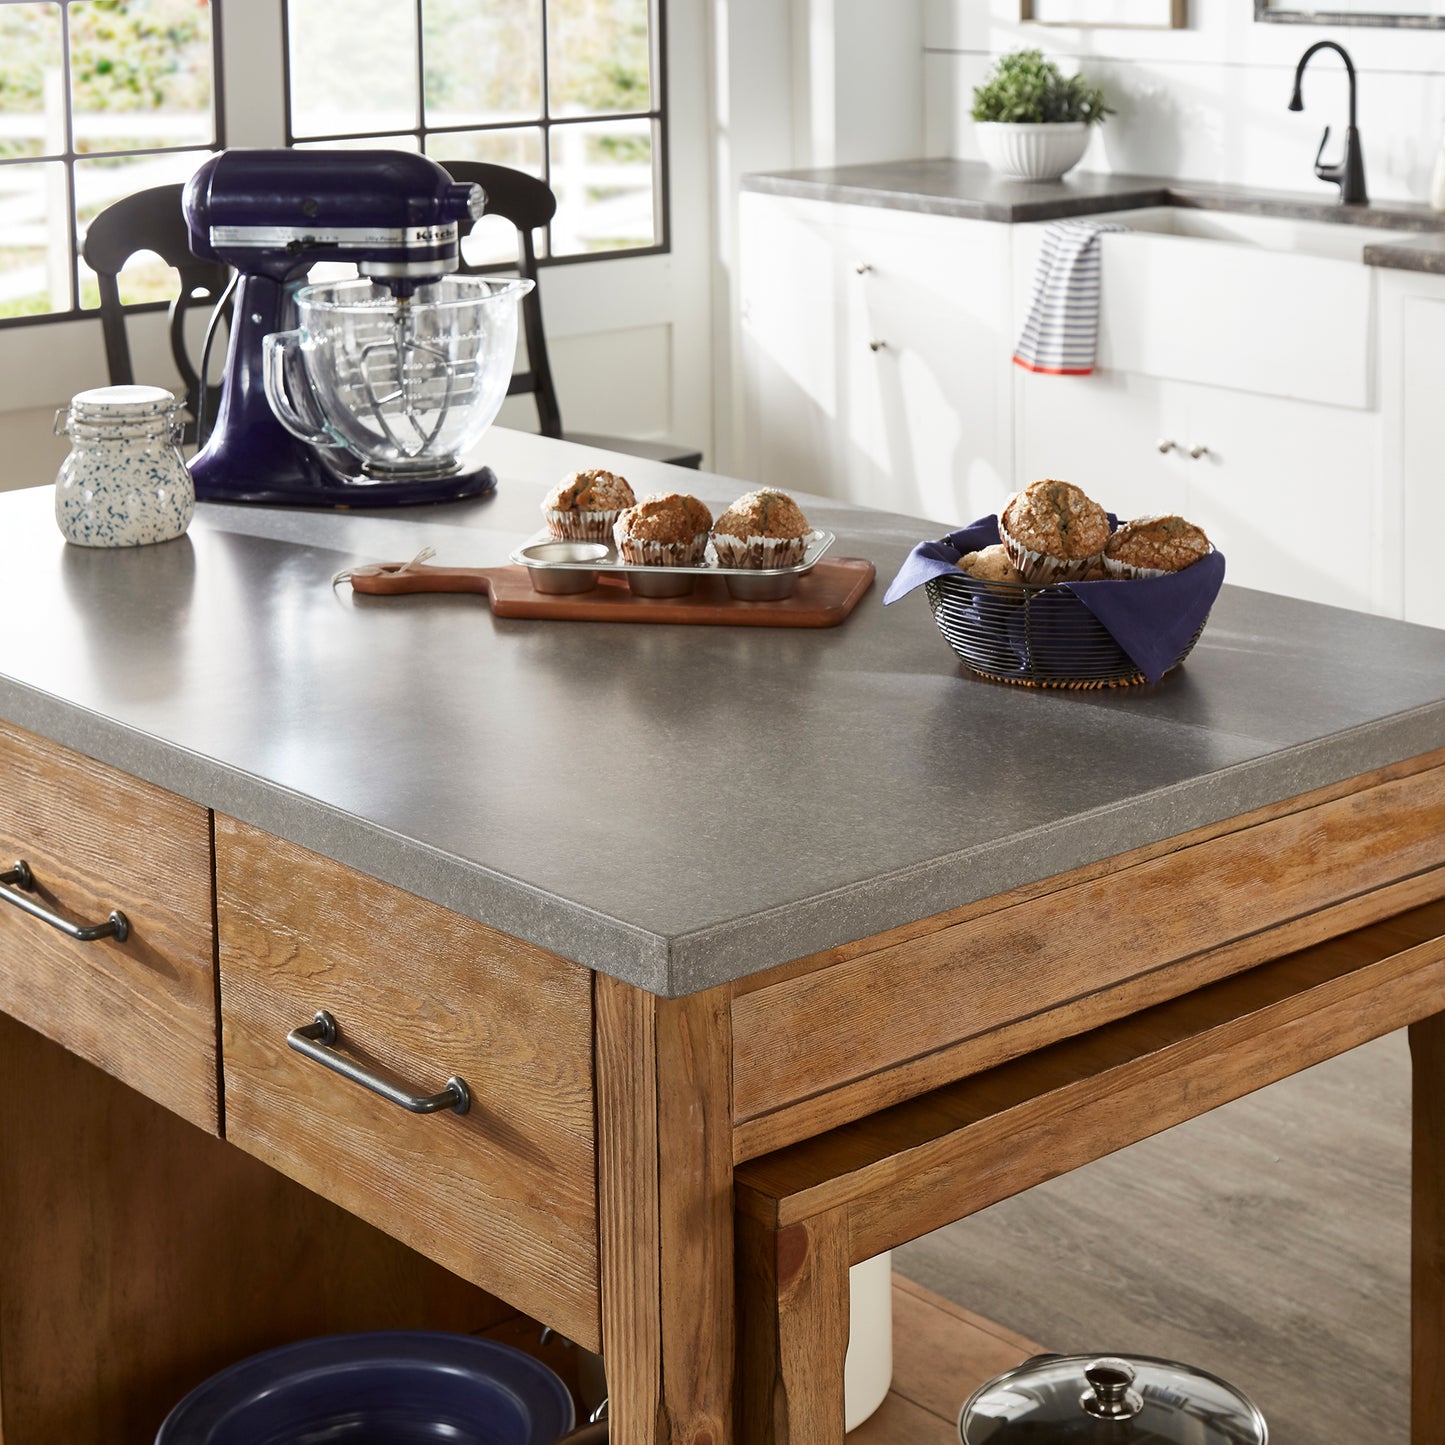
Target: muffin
{"points": [[583, 507], [1154, 547], [667, 529], [1053, 531], [765, 528], [991, 564]]}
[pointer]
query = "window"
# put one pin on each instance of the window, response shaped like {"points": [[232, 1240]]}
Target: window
{"points": [[98, 98], [569, 90]]}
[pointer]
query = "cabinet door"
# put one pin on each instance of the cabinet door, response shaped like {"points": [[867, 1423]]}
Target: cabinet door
{"points": [[790, 328], [1103, 433], [924, 367], [876, 355], [1422, 458], [1286, 490]]}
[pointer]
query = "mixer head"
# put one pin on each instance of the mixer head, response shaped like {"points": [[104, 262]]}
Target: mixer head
{"points": [[278, 212]]}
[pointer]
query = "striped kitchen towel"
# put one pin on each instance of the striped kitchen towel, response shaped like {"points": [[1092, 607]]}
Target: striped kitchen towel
{"points": [[1063, 324]]}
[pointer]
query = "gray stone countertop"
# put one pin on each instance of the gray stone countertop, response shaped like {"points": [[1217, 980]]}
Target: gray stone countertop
{"points": [[677, 806], [969, 189]]}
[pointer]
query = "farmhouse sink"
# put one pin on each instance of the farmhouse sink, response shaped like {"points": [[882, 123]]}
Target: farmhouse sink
{"points": [[1325, 239], [1258, 303]]}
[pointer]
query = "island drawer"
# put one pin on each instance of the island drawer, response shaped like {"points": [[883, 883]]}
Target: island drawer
{"points": [[832, 1038], [504, 1195], [93, 842]]}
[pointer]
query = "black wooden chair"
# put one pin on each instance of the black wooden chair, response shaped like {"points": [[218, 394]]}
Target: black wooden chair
{"points": [[529, 203], [151, 220]]}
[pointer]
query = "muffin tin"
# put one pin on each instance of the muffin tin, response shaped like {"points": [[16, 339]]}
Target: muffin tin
{"points": [[558, 568]]}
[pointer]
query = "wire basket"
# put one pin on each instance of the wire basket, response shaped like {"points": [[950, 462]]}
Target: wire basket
{"points": [[1034, 636]]}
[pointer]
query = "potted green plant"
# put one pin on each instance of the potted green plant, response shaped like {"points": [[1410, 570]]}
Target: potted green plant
{"points": [[1032, 120]]}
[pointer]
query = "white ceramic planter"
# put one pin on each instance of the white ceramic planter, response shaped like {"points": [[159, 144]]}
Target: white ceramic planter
{"points": [[1032, 152]]}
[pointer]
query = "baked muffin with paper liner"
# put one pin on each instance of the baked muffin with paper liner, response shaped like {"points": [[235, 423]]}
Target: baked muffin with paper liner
{"points": [[584, 506], [1054, 531], [1155, 547], [991, 564], [666, 529], [765, 528]]}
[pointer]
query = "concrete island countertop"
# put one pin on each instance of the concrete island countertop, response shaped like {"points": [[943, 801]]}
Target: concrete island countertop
{"points": [[677, 806], [970, 190]]}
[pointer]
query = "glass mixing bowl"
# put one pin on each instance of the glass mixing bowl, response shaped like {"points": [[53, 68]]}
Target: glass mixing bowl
{"points": [[406, 385]]}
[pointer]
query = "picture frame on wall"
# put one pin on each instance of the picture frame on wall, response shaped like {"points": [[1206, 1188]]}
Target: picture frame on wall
{"points": [[1392, 14], [1111, 14]]}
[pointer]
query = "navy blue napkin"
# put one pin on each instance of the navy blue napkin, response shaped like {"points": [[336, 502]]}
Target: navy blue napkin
{"points": [[1151, 618]]}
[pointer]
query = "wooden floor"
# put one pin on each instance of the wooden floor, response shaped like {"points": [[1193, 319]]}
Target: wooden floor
{"points": [[1267, 1242]]}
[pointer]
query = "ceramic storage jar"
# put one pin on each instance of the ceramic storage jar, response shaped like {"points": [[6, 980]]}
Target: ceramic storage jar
{"points": [[124, 482]]}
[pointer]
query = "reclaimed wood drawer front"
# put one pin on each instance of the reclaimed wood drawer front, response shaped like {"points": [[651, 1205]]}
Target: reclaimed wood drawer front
{"points": [[505, 1195], [95, 840], [823, 1046]]}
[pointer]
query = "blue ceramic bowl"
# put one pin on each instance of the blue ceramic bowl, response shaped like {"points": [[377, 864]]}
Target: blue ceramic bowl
{"points": [[401, 1387]]}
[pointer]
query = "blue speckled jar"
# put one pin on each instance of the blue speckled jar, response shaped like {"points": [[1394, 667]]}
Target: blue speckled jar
{"points": [[124, 483]]}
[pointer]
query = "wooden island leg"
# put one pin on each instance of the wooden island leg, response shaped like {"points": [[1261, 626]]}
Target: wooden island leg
{"points": [[1427, 1232], [665, 1196], [793, 1330]]}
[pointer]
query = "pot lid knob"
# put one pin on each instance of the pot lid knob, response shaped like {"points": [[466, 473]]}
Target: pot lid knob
{"points": [[1110, 1397]]}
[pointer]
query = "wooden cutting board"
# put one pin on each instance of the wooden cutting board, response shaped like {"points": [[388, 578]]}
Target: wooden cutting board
{"points": [[825, 596]]}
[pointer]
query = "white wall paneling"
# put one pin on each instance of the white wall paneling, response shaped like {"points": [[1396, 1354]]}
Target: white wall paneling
{"points": [[1209, 102]]}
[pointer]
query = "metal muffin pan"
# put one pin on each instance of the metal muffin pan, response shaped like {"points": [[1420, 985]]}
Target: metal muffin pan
{"points": [[560, 567]]}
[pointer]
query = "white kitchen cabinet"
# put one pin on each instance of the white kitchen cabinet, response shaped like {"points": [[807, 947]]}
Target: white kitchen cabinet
{"points": [[876, 355], [1103, 433], [1412, 375], [1284, 488], [878, 344]]}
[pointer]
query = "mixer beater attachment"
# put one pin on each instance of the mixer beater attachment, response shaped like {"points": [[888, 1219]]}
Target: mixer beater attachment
{"points": [[405, 381]]}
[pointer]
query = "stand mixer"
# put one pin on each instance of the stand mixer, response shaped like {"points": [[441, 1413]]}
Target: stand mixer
{"points": [[389, 379]]}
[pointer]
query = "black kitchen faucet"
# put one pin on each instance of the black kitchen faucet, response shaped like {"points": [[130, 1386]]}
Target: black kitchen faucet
{"points": [[1349, 174]]}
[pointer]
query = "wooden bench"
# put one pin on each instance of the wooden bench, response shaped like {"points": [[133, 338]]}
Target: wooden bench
{"points": [[807, 1212]]}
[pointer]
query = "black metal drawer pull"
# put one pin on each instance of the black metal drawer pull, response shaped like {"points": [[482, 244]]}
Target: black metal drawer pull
{"points": [[315, 1039], [15, 886]]}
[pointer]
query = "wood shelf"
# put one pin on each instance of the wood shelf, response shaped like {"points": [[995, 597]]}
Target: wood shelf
{"points": [[941, 1354]]}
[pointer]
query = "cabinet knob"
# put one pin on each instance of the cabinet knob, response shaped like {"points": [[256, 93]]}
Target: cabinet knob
{"points": [[862, 267], [1165, 445], [1198, 450], [877, 344]]}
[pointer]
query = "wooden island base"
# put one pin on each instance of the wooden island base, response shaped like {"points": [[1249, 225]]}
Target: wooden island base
{"points": [[143, 1255], [682, 1181]]}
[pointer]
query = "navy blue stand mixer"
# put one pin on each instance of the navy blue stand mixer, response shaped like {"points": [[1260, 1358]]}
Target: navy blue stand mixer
{"points": [[383, 384]]}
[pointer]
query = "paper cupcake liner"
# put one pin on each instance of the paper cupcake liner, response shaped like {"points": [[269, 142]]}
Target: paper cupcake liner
{"points": [[759, 552], [1041, 569], [660, 554], [573, 526], [1129, 572]]}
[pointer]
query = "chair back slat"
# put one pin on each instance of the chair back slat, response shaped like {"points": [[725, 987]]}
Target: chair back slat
{"points": [[527, 203], [151, 220]]}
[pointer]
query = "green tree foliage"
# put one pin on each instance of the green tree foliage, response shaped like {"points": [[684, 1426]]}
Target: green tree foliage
{"points": [[1026, 88], [125, 54]]}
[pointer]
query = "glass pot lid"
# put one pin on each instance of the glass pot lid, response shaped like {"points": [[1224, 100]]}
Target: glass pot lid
{"points": [[1109, 1400]]}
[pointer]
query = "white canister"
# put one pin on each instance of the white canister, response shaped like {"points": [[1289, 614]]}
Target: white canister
{"points": [[124, 482]]}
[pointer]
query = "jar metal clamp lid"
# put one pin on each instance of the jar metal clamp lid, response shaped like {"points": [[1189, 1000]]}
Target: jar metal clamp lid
{"points": [[126, 409]]}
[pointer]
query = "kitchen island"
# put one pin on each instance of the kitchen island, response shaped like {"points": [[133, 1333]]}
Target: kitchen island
{"points": [[676, 902]]}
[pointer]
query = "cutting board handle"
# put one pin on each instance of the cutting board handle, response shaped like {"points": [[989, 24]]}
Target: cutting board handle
{"points": [[392, 579]]}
